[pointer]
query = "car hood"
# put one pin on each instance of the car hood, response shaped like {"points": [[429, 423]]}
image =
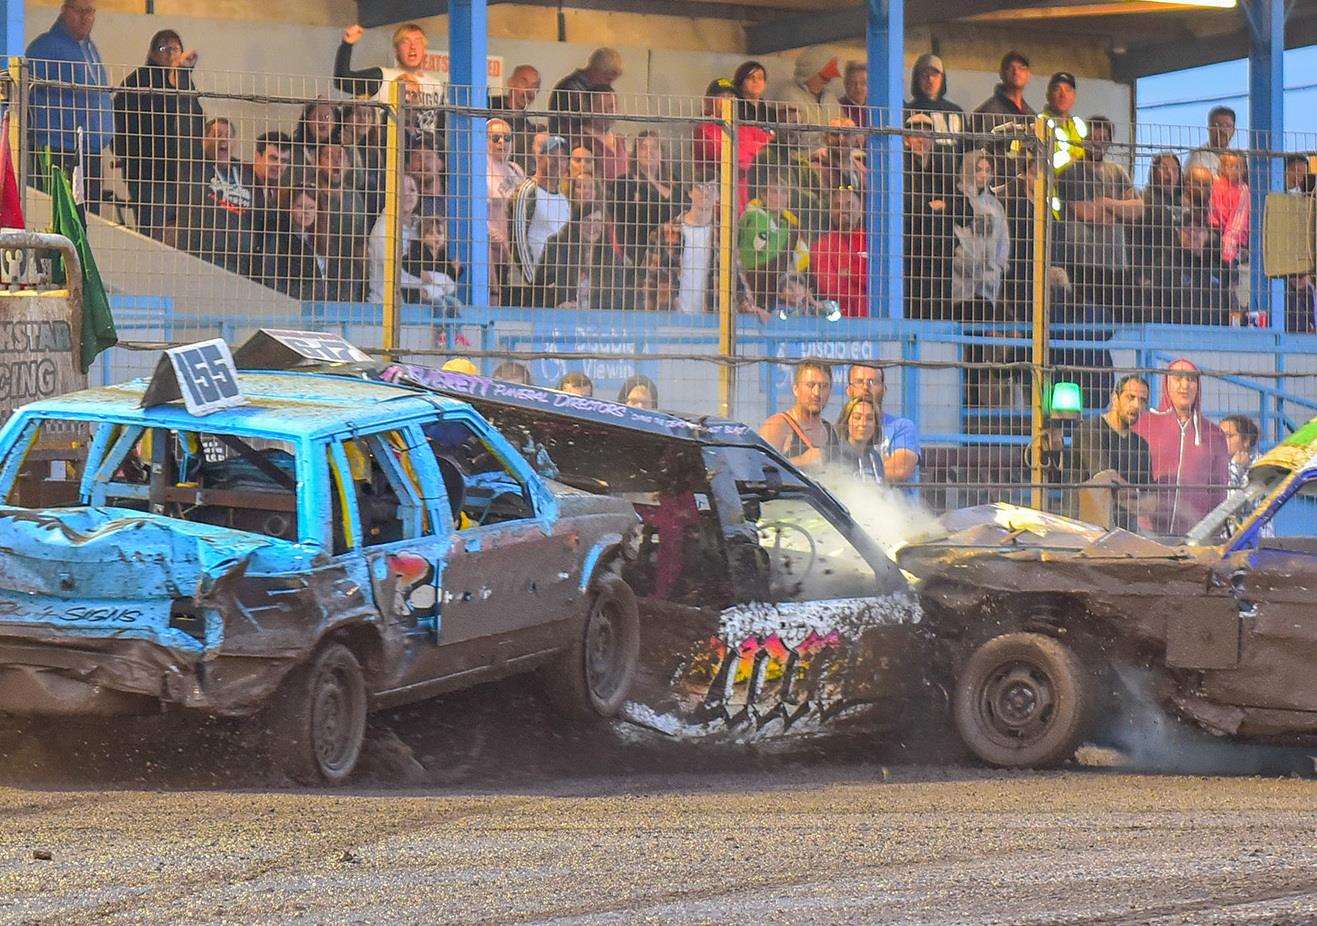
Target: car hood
{"points": [[1011, 531], [116, 553]]}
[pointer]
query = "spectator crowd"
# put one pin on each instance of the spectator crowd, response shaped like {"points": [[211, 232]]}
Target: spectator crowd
{"points": [[582, 216]]}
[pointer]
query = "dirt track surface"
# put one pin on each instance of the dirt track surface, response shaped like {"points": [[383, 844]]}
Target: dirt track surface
{"points": [[520, 823]]}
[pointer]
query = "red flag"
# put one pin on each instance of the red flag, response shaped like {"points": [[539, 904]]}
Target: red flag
{"points": [[11, 202]]}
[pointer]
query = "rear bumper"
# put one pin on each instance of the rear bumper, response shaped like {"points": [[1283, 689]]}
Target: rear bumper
{"points": [[113, 677]]}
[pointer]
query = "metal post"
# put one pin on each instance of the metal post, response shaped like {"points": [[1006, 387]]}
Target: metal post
{"points": [[1266, 115], [1038, 380], [11, 21], [18, 124], [392, 216], [14, 45], [468, 44], [726, 265], [884, 197]]}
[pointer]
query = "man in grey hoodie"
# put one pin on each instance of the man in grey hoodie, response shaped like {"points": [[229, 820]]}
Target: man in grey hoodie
{"points": [[928, 94], [807, 94]]}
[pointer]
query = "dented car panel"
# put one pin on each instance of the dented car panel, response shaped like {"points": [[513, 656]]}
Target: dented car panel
{"points": [[766, 610], [202, 559], [1229, 615]]}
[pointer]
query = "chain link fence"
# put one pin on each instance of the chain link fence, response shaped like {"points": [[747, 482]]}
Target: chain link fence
{"points": [[990, 287]]}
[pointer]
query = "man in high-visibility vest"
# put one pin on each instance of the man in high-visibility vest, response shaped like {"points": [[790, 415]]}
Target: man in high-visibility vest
{"points": [[1063, 133]]}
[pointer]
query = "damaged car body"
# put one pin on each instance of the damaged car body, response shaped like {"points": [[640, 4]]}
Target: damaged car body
{"points": [[328, 547], [1038, 616], [765, 609]]}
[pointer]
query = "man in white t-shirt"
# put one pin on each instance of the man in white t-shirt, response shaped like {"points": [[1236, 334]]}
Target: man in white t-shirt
{"points": [[538, 210], [502, 177], [422, 89], [1220, 132]]}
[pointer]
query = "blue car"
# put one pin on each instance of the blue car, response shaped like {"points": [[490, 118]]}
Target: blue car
{"points": [[328, 547]]}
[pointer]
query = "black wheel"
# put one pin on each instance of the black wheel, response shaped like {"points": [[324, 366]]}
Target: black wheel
{"points": [[318, 720], [1022, 701], [594, 676]]}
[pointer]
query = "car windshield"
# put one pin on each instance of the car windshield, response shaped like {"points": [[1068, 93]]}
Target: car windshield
{"points": [[1223, 520]]}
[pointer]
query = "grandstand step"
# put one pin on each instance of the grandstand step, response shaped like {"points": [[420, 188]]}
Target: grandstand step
{"points": [[201, 294]]}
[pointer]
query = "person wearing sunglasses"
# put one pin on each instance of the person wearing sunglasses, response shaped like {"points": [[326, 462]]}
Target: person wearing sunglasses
{"points": [[158, 126], [67, 54], [503, 175]]}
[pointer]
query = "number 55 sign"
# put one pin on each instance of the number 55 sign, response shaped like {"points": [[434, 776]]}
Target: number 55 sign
{"points": [[201, 374]]}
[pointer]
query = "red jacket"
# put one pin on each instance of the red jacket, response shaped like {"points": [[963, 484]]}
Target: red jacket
{"points": [[840, 262], [750, 139], [1189, 453]]}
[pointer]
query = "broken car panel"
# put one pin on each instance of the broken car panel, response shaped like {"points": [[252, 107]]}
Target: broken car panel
{"points": [[1228, 617], [765, 608], [338, 540]]}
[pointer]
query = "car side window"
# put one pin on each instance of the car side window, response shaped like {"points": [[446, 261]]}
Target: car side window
{"points": [[47, 461], [382, 479], [483, 488], [809, 559]]}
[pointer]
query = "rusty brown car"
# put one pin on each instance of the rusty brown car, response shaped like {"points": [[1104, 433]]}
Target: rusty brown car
{"points": [[1037, 615]]}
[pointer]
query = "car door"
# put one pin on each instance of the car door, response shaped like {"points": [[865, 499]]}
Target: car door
{"points": [[388, 524], [1272, 571], [821, 628], [513, 573]]}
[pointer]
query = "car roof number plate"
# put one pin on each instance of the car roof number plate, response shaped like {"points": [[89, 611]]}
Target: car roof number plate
{"points": [[284, 349], [202, 375]]}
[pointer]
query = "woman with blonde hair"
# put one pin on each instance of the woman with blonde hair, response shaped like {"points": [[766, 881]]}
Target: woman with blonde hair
{"points": [[858, 426]]}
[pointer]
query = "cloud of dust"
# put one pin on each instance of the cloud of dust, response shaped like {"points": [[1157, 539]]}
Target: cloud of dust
{"points": [[1154, 740], [892, 517]]}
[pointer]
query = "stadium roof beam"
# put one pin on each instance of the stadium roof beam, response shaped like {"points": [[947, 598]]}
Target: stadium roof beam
{"points": [[1174, 53], [796, 31], [384, 12]]}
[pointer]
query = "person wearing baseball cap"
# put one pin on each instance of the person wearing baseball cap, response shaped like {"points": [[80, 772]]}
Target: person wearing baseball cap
{"points": [[1062, 77], [1066, 132], [928, 179], [1007, 103], [928, 94], [720, 87]]}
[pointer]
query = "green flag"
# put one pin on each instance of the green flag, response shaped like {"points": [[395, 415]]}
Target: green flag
{"points": [[97, 323]]}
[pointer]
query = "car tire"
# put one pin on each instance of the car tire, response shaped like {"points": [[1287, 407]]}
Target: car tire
{"points": [[318, 720], [1023, 701], [593, 678]]}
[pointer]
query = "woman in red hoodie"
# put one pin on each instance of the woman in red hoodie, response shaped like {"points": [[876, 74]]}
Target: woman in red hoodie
{"points": [[1189, 453]]}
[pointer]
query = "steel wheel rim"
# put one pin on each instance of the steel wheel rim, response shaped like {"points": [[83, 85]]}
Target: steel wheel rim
{"points": [[603, 651], [1017, 704], [334, 722]]}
